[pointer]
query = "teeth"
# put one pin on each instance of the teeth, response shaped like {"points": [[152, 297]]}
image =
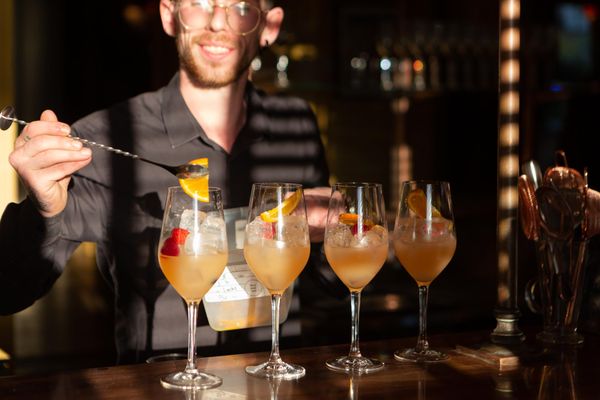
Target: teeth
{"points": [[216, 49]]}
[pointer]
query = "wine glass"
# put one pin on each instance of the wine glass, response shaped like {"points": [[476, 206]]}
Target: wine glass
{"points": [[424, 242], [356, 246], [192, 254], [276, 247]]}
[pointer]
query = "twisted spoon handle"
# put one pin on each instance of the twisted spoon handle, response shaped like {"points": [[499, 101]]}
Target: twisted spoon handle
{"points": [[105, 147], [7, 117], [175, 170], [10, 119]]}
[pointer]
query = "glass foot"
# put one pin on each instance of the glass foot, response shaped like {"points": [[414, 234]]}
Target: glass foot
{"points": [[278, 370], [190, 380], [166, 357], [420, 356], [356, 365]]}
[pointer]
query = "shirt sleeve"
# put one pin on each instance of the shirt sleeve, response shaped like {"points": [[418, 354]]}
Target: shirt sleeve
{"points": [[33, 255], [36, 249]]}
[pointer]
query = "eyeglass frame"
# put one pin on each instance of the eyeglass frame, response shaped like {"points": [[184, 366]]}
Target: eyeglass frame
{"points": [[261, 15]]}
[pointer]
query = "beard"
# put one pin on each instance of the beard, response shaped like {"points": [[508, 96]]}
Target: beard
{"points": [[207, 74]]}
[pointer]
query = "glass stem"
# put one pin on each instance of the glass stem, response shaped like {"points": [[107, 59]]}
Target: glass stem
{"points": [[422, 344], [274, 387], [275, 357], [355, 311], [192, 316]]}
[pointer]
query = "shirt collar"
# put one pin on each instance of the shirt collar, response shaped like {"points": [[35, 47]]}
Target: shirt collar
{"points": [[180, 124], [182, 127]]}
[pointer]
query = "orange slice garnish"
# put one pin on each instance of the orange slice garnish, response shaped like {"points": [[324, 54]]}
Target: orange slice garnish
{"points": [[351, 219], [348, 219], [197, 187], [285, 208], [417, 202]]}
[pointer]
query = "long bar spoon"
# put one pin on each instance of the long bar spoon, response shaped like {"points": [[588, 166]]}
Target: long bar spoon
{"points": [[7, 117]]}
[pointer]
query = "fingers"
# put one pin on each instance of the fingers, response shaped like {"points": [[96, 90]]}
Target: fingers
{"points": [[48, 115], [43, 151], [50, 157], [37, 145], [50, 164], [47, 125], [29, 158], [44, 143], [57, 172], [37, 128], [45, 158]]}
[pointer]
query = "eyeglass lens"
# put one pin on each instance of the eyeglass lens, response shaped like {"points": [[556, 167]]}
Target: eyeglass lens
{"points": [[242, 17]]}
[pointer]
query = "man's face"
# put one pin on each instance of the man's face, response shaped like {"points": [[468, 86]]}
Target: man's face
{"points": [[215, 56]]}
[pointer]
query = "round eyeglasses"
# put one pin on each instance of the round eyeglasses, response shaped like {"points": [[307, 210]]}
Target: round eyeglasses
{"points": [[242, 17]]}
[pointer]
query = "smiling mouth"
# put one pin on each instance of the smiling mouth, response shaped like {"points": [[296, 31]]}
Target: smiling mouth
{"points": [[216, 51]]}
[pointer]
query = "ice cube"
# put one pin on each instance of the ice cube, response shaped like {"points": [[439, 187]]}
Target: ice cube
{"points": [[212, 232], [375, 236], [258, 230], [191, 219], [293, 230], [339, 236], [193, 245], [208, 238]]}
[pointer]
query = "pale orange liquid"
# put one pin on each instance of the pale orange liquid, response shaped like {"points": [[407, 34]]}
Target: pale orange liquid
{"points": [[276, 268], [193, 276], [424, 260], [356, 266], [246, 313]]}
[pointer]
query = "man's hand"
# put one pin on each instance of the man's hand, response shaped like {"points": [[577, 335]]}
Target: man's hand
{"points": [[45, 158], [317, 202]]}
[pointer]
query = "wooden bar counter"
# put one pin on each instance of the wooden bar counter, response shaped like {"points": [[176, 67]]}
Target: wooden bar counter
{"points": [[550, 373]]}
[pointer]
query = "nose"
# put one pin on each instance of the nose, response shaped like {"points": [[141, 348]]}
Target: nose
{"points": [[218, 22]]}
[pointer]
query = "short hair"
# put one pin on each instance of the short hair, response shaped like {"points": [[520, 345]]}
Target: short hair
{"points": [[266, 4]]}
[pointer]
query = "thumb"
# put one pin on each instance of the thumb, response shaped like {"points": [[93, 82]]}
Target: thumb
{"points": [[48, 115]]}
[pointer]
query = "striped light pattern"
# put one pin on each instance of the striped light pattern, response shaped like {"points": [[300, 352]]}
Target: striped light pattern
{"points": [[507, 312]]}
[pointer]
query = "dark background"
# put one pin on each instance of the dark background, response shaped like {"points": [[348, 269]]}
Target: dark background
{"points": [[76, 57]]}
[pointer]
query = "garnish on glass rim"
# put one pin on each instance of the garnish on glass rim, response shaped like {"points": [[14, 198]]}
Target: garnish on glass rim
{"points": [[352, 219], [417, 202], [285, 208], [196, 187]]}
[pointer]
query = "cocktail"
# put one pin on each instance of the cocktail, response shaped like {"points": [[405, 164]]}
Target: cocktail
{"points": [[192, 255], [276, 247], [424, 242], [356, 246]]}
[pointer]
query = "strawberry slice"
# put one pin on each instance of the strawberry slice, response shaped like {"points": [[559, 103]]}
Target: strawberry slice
{"points": [[365, 228], [352, 220], [170, 248], [179, 235], [270, 232]]}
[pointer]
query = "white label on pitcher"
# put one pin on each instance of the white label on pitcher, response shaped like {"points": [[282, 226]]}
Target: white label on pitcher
{"points": [[236, 283]]}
